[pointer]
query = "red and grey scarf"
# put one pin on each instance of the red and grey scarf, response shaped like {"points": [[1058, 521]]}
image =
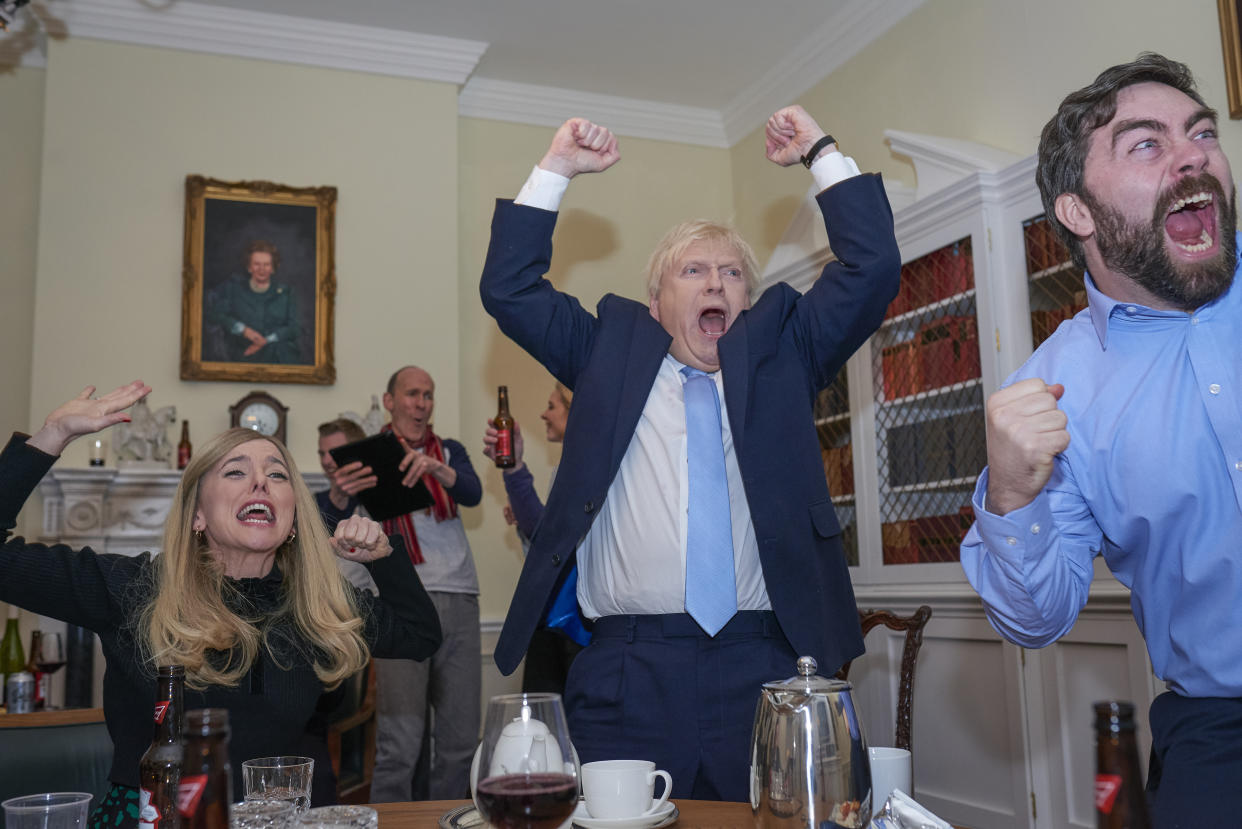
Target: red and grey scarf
{"points": [[443, 508]]}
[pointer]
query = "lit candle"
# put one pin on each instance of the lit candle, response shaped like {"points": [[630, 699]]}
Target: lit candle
{"points": [[99, 450]]}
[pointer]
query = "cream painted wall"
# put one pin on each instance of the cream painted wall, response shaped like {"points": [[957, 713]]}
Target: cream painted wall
{"points": [[21, 136], [991, 71], [609, 224], [126, 124]]}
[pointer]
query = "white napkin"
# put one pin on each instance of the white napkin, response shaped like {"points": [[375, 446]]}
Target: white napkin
{"points": [[902, 812]]}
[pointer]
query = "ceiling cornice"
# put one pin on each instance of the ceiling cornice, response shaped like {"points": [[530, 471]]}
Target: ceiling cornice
{"points": [[263, 36], [550, 106], [248, 34], [815, 58], [831, 45]]}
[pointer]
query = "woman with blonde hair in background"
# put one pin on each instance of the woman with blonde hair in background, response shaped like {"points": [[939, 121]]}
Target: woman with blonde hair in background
{"points": [[558, 639], [246, 596]]}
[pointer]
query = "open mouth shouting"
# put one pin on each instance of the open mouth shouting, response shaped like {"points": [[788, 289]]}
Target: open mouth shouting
{"points": [[1190, 223], [713, 321], [257, 513]]}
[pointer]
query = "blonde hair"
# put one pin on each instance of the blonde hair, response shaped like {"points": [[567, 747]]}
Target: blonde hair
{"points": [[187, 615], [673, 246], [564, 393]]}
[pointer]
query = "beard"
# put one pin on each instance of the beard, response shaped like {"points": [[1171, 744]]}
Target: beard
{"points": [[1138, 251]]}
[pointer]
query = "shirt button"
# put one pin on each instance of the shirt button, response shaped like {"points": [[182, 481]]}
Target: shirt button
{"points": [[1130, 309], [1035, 529], [1194, 320], [1011, 541], [1214, 388], [1238, 466]]}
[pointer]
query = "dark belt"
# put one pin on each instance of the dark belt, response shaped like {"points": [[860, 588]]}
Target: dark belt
{"points": [[668, 625]]}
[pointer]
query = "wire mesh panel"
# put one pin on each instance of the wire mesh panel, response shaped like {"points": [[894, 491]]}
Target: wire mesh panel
{"points": [[1056, 284], [832, 422], [929, 409]]}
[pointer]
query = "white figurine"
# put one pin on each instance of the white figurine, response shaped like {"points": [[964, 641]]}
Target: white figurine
{"points": [[144, 440]]}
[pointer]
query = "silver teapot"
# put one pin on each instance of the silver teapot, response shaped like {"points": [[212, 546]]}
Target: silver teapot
{"points": [[808, 759]]}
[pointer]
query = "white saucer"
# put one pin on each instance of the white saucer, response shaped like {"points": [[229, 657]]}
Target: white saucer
{"points": [[664, 816]]}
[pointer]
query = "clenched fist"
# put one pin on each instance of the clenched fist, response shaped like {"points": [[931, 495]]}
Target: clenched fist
{"points": [[359, 538], [1026, 431], [581, 147]]}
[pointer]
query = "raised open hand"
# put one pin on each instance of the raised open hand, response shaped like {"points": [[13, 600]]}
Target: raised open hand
{"points": [[580, 147], [789, 134], [85, 414]]}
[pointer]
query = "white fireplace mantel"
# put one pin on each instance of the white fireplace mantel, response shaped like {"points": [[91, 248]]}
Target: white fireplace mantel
{"points": [[114, 510]]}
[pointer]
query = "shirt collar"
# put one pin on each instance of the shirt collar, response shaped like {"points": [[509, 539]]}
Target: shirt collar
{"points": [[1101, 306]]}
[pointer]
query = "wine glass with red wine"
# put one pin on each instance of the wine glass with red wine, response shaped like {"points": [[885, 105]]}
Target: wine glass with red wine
{"points": [[48, 657], [527, 774]]}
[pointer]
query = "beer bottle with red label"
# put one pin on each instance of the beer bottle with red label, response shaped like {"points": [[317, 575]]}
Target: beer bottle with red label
{"points": [[504, 432], [184, 448], [159, 770], [206, 788], [1120, 802]]}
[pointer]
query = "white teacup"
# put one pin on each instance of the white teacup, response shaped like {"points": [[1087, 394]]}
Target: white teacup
{"points": [[623, 788], [890, 769]]}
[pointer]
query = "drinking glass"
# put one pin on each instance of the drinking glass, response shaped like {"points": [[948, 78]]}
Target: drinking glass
{"points": [[49, 657], [261, 814], [55, 810], [527, 768], [279, 778]]}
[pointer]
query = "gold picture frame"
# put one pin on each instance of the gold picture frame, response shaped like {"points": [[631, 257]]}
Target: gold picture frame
{"points": [[1231, 45], [258, 283]]}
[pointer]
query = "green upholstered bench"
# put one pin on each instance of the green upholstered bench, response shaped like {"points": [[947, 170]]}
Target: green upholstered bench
{"points": [[54, 751]]}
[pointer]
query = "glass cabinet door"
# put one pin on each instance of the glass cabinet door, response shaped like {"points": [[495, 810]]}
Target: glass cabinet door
{"points": [[928, 400], [832, 423], [1055, 282]]}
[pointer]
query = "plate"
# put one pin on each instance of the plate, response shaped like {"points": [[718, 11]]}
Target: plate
{"points": [[665, 816]]}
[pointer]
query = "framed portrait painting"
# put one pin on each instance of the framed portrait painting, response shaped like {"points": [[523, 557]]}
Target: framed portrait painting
{"points": [[1230, 12], [258, 283]]}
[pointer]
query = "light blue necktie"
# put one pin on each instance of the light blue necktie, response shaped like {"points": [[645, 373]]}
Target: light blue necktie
{"points": [[711, 591]]}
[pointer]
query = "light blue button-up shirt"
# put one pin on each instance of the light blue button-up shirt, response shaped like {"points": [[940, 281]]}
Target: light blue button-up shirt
{"points": [[1152, 480]]}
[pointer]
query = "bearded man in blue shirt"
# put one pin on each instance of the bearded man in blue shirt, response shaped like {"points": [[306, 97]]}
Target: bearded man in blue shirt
{"points": [[1122, 435]]}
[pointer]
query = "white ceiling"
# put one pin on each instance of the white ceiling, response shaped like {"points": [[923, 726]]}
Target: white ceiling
{"points": [[705, 71]]}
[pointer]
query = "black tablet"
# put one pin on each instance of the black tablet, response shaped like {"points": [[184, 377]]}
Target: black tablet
{"points": [[389, 497]]}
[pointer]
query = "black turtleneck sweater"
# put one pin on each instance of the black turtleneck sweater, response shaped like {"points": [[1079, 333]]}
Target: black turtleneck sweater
{"points": [[269, 709]]}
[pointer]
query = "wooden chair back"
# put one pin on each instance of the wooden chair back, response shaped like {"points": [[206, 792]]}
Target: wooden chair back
{"points": [[913, 626], [351, 739]]}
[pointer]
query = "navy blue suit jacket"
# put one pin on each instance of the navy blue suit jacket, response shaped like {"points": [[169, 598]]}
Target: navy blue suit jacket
{"points": [[776, 357]]}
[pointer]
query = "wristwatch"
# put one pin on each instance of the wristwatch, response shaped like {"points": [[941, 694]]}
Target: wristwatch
{"points": [[809, 158]]}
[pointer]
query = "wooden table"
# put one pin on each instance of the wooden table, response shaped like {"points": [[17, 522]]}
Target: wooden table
{"points": [[58, 716], [694, 814]]}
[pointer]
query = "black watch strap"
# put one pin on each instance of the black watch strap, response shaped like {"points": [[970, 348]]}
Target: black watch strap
{"points": [[809, 158]]}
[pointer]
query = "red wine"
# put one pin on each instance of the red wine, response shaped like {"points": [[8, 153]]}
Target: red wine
{"points": [[528, 801], [50, 667]]}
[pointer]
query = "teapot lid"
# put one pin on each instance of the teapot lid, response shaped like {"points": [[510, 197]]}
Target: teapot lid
{"points": [[807, 681]]}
